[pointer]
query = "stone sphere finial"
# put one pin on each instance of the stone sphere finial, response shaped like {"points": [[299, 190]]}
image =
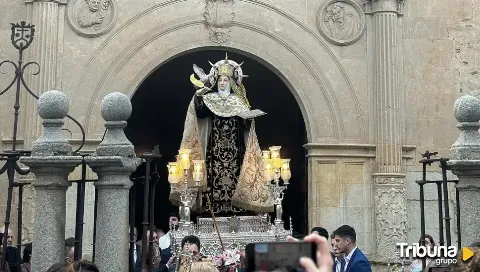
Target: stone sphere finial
{"points": [[467, 109], [116, 107], [53, 105]]}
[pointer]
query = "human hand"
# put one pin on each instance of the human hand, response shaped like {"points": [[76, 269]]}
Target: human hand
{"points": [[291, 239], [324, 259]]}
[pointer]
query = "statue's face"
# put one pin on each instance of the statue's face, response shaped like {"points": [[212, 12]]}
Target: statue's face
{"points": [[223, 82], [337, 12], [93, 5]]}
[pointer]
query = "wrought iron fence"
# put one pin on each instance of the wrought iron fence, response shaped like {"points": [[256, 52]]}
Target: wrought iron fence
{"points": [[444, 219], [22, 37]]}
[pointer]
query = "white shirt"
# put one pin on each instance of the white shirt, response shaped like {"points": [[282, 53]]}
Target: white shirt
{"points": [[134, 253], [348, 257], [338, 265], [164, 241]]}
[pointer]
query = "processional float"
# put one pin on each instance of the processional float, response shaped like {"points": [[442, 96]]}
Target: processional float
{"points": [[220, 235]]}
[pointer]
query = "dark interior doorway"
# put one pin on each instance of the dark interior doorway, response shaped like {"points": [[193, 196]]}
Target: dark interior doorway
{"points": [[159, 109]]}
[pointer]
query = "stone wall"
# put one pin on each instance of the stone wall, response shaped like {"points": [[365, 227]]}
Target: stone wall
{"points": [[438, 40]]}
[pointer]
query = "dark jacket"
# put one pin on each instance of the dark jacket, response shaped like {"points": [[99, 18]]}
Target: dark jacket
{"points": [[165, 254], [12, 259], [358, 262]]}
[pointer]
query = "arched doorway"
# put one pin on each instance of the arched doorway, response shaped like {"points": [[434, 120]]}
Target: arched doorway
{"points": [[159, 108]]}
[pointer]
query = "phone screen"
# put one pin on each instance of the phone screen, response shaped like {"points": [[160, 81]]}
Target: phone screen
{"points": [[278, 256]]}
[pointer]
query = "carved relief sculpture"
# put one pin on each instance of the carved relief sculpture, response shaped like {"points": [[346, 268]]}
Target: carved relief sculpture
{"points": [[341, 22], [219, 16], [391, 212], [91, 18]]}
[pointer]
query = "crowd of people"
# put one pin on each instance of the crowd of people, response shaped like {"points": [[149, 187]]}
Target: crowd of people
{"points": [[341, 254]]}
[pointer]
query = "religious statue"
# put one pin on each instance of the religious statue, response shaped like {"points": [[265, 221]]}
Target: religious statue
{"points": [[340, 22], [219, 128], [91, 13]]}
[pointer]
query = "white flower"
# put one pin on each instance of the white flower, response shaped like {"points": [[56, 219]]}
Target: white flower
{"points": [[231, 257]]}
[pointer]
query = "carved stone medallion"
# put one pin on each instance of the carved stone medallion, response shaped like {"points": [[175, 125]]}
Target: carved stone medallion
{"points": [[219, 16], [341, 22], [91, 18]]}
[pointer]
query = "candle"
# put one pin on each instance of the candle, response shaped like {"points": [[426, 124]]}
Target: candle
{"points": [[197, 176], [275, 155], [198, 165], [268, 172], [266, 155], [185, 158], [198, 170], [285, 164], [173, 176], [286, 175]]}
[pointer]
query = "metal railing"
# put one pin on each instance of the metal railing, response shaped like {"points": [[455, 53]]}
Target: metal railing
{"points": [[444, 219], [21, 37]]}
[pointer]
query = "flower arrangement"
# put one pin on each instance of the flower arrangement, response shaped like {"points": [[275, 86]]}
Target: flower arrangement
{"points": [[228, 260]]}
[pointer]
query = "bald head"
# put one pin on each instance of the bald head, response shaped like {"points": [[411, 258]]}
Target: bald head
{"points": [[10, 235]]}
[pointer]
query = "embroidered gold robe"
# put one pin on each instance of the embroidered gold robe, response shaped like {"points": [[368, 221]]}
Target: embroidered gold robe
{"points": [[229, 145]]}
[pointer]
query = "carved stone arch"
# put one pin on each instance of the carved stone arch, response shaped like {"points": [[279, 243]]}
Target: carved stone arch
{"points": [[240, 49], [125, 59]]}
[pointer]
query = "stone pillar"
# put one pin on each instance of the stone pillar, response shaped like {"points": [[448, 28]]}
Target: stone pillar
{"points": [[113, 161], [389, 179], [48, 18], [51, 162], [465, 163]]}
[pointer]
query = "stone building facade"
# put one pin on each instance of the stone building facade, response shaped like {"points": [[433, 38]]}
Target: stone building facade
{"points": [[375, 80]]}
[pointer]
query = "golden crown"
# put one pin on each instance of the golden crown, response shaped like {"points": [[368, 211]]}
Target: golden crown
{"points": [[225, 69]]}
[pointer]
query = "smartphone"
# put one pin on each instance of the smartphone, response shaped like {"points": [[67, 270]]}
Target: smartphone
{"points": [[278, 256]]}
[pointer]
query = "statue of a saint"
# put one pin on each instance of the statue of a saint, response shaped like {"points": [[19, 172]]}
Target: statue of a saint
{"points": [[215, 132]]}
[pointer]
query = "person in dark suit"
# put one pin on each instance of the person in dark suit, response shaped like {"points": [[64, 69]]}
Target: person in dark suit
{"points": [[355, 260], [336, 261], [338, 258], [137, 253], [320, 231], [11, 254]]}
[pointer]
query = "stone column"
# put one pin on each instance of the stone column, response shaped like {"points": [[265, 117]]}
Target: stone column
{"points": [[389, 179], [465, 163], [48, 18], [51, 162], [113, 161]]}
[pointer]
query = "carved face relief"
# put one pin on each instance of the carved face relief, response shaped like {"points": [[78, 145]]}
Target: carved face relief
{"points": [[341, 22], [91, 18], [336, 13], [223, 82], [93, 5]]}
